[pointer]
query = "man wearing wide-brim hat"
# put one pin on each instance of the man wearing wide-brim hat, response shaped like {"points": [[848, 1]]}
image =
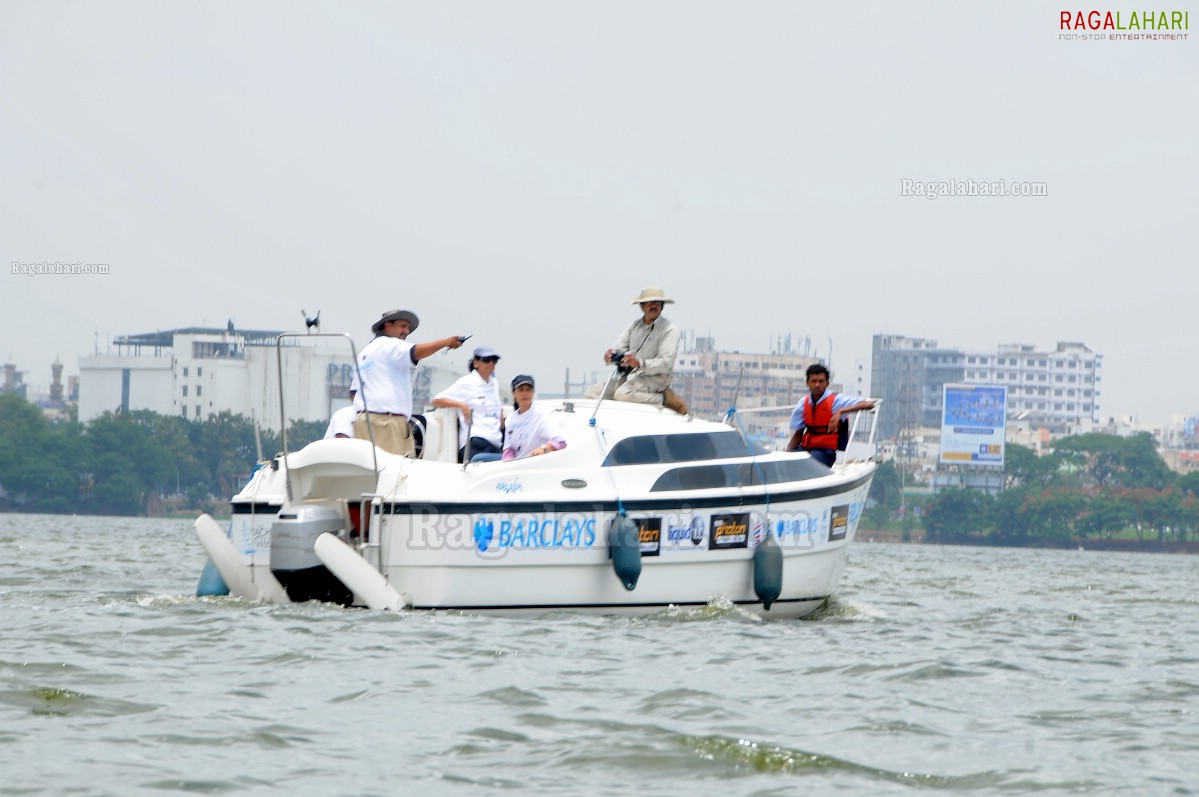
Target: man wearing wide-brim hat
{"points": [[385, 394], [647, 350]]}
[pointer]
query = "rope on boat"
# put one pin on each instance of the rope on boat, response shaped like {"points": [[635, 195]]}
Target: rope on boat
{"points": [[768, 554], [624, 543]]}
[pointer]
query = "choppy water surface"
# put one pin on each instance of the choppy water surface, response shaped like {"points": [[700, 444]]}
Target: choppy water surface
{"points": [[937, 669]]}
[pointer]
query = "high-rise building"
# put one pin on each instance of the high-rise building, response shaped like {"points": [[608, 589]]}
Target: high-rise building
{"points": [[711, 381], [1054, 389]]}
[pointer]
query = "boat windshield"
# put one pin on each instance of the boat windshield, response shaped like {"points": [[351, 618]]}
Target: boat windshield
{"points": [[659, 448], [739, 474]]}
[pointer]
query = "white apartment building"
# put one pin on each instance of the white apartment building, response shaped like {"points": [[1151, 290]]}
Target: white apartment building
{"points": [[1058, 388], [198, 372]]}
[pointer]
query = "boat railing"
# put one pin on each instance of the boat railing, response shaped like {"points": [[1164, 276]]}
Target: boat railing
{"points": [[308, 336], [864, 423]]}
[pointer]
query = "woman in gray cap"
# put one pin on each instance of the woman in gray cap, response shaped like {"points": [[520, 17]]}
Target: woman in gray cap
{"points": [[477, 397], [531, 432]]}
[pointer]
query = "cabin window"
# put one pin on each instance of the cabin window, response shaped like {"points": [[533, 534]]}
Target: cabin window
{"points": [[634, 451], [687, 447], [745, 474], [649, 449]]}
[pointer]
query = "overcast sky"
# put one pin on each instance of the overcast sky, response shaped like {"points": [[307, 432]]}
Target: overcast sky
{"points": [[519, 171]]}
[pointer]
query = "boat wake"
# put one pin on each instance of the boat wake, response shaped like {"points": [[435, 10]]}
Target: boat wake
{"points": [[717, 609], [843, 610]]}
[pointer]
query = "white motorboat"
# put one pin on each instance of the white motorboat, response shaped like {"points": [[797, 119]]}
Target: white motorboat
{"points": [[643, 510]]}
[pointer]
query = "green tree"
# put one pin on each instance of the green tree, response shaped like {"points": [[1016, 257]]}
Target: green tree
{"points": [[1009, 515], [62, 478], [1104, 514], [114, 463], [886, 488], [176, 434], [1190, 516], [22, 433], [1162, 511], [225, 446], [1189, 483], [1050, 514], [1118, 461], [125, 463], [38, 459], [957, 514], [1022, 466], [301, 433]]}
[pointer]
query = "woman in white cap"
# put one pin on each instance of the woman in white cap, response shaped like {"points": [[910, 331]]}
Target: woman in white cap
{"points": [[477, 397], [531, 432]]}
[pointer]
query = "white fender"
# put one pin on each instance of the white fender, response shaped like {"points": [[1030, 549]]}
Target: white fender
{"points": [[356, 573], [240, 577]]}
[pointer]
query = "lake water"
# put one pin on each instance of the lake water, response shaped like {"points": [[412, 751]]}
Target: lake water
{"points": [[936, 669]]}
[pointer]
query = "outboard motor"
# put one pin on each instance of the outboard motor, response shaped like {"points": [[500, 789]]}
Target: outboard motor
{"points": [[293, 561]]}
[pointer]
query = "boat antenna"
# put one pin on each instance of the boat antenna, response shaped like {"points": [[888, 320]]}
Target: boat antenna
{"points": [[283, 411], [591, 420], [728, 416], [466, 452], [257, 434]]}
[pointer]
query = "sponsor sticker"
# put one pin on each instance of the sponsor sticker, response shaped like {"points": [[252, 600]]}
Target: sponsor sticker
{"points": [[840, 523], [532, 532], [729, 531], [799, 530], [649, 533], [685, 532]]}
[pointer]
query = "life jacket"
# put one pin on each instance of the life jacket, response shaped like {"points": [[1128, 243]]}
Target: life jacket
{"points": [[816, 420]]}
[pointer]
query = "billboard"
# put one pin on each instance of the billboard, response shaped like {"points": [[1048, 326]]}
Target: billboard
{"points": [[973, 422]]}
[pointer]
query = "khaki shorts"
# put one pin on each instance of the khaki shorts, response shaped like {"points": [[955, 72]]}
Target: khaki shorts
{"points": [[628, 388], [392, 432]]}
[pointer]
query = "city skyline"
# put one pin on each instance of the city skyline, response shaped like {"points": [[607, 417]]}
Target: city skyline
{"points": [[519, 172], [690, 342]]}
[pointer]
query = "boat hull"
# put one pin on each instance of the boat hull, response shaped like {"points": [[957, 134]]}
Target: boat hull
{"points": [[535, 536], [516, 561]]}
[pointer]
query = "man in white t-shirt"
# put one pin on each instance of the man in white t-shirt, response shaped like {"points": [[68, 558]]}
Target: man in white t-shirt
{"points": [[386, 365]]}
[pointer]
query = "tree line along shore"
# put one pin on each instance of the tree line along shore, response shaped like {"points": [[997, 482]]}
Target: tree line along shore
{"points": [[1091, 490], [1094, 490]]}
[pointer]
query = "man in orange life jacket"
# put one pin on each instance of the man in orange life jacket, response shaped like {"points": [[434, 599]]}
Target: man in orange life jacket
{"points": [[815, 418]]}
